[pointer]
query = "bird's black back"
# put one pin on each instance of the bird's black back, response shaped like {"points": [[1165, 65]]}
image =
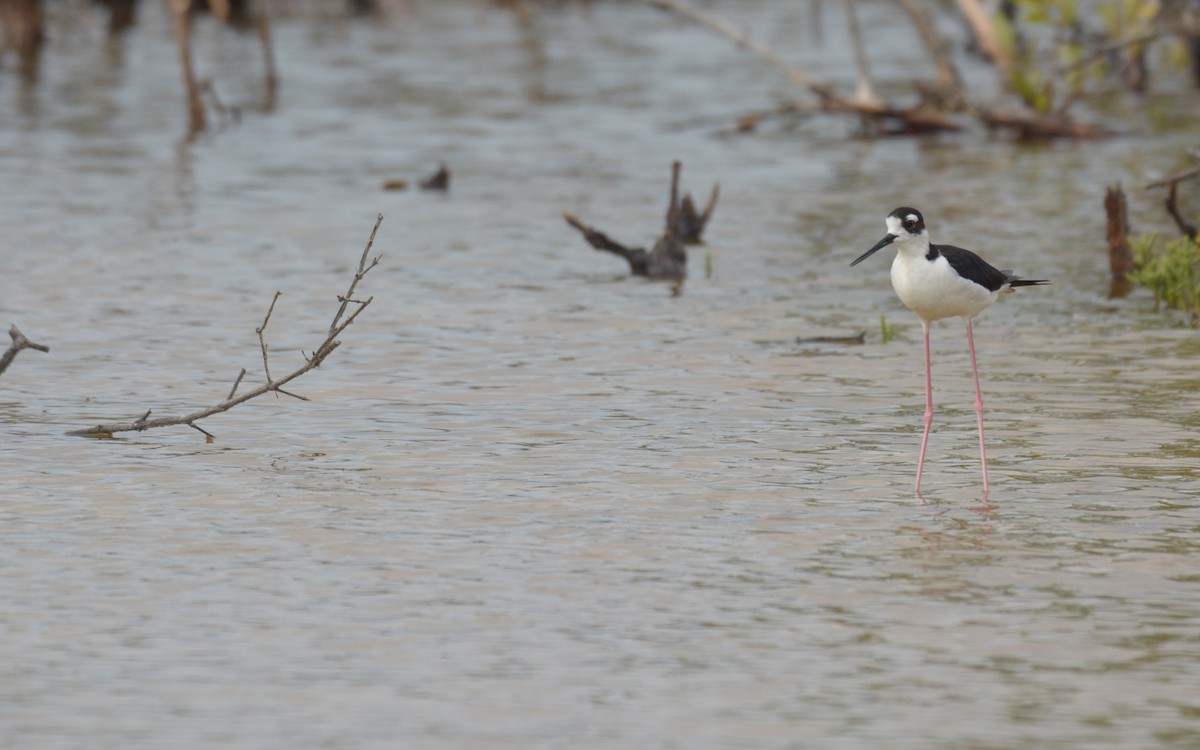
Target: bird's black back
{"points": [[970, 266]]}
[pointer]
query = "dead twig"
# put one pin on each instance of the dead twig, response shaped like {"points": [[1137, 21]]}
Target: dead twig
{"points": [[1178, 177], [1171, 182], [319, 355], [19, 342], [1185, 226], [262, 343]]}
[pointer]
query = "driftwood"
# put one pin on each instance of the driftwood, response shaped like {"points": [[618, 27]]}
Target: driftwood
{"points": [[19, 342], [667, 260], [341, 320], [1120, 256]]}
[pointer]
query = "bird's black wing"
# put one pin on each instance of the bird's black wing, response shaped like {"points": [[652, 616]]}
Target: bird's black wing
{"points": [[970, 266]]}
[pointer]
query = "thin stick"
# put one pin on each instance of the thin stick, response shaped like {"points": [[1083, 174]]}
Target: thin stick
{"points": [[322, 352], [362, 271], [936, 44], [985, 33], [236, 383], [865, 92], [19, 342], [1186, 174], [262, 343]]}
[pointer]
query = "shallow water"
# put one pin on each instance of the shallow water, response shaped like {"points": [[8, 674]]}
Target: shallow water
{"points": [[536, 503]]}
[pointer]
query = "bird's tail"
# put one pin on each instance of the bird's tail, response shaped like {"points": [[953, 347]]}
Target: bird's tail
{"points": [[1012, 280]]}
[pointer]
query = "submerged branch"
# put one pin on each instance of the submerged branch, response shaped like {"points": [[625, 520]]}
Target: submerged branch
{"points": [[318, 356], [19, 342]]}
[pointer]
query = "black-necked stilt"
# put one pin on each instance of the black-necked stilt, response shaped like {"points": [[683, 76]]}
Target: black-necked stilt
{"points": [[942, 281]]}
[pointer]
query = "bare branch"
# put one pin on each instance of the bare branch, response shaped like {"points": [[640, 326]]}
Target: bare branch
{"points": [[1185, 226], [236, 383], [865, 93], [261, 341], [985, 33], [363, 268], [208, 436], [19, 342], [1176, 178], [272, 385], [937, 46]]}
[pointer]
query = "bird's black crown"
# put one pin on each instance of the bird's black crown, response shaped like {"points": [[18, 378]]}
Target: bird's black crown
{"points": [[910, 218]]}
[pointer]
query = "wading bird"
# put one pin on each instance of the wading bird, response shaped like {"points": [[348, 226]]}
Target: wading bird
{"points": [[942, 281]]}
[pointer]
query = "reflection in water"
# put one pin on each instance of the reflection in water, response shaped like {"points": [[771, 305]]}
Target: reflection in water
{"points": [[535, 501]]}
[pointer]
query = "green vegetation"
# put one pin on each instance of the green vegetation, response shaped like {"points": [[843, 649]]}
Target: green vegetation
{"points": [[887, 330], [1049, 71], [1172, 274]]}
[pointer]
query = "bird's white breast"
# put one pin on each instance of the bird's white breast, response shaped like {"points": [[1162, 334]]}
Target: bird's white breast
{"points": [[934, 290]]}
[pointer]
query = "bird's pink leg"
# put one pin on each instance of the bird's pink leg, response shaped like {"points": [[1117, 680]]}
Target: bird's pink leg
{"points": [[928, 407], [978, 405]]}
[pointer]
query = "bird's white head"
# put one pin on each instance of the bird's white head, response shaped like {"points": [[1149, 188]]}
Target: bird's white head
{"points": [[905, 227]]}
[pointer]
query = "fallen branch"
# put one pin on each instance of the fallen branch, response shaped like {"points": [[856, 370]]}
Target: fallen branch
{"points": [[19, 342], [1029, 125], [668, 258], [340, 322]]}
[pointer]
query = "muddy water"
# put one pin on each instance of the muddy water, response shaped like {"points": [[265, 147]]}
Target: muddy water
{"points": [[536, 503]]}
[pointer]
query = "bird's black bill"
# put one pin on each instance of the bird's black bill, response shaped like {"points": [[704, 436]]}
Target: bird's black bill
{"points": [[887, 240]]}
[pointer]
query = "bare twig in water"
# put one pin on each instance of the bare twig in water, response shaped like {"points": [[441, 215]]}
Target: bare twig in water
{"points": [[667, 260], [1172, 183], [262, 342], [1185, 226], [340, 322], [1186, 174], [19, 342], [1120, 256]]}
